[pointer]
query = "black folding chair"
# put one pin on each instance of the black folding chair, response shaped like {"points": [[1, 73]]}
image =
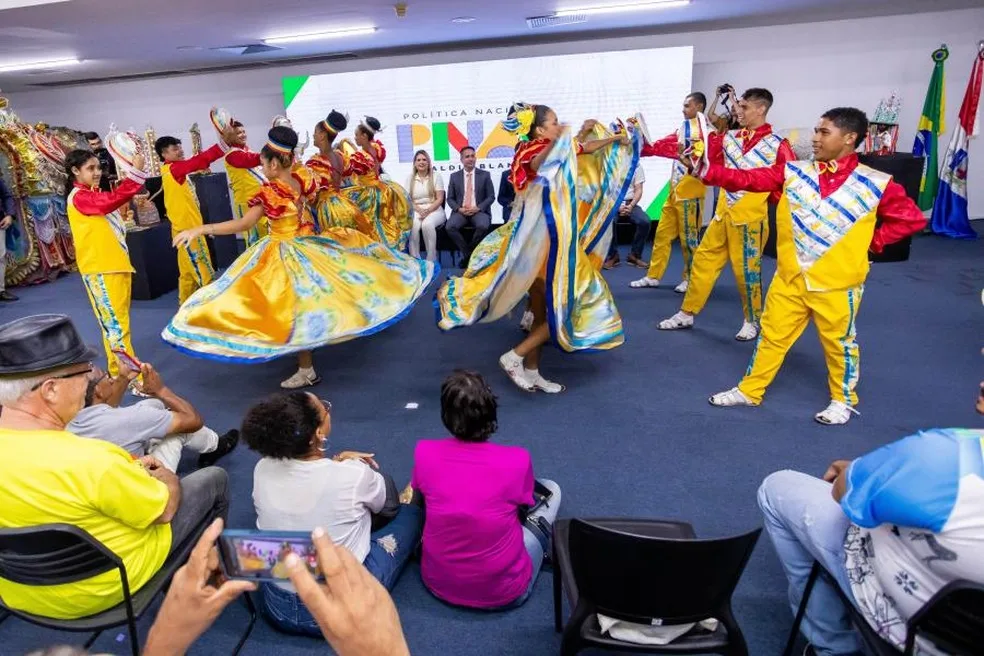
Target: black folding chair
{"points": [[648, 572], [54, 554], [953, 620]]}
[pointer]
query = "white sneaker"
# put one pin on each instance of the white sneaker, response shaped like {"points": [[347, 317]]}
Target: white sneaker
{"points": [[645, 281], [732, 397], [512, 364], [682, 287], [678, 321], [748, 332], [837, 412], [542, 384], [301, 378], [526, 323]]}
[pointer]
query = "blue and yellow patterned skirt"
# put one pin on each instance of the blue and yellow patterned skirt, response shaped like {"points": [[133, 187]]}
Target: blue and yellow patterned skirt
{"points": [[286, 295]]}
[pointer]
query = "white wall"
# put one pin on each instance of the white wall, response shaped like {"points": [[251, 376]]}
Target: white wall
{"points": [[809, 67]]}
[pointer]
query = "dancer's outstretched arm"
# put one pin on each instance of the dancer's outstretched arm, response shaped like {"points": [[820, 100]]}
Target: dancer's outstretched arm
{"points": [[232, 227]]}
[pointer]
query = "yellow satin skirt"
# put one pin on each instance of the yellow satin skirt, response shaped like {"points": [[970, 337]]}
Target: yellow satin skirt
{"points": [[387, 206], [333, 209], [285, 295]]}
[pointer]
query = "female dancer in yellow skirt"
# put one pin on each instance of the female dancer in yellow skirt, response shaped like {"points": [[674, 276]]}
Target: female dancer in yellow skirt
{"points": [[332, 208], [386, 204], [294, 291], [552, 248]]}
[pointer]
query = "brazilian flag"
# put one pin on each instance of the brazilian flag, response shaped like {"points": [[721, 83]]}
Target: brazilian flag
{"points": [[930, 129]]}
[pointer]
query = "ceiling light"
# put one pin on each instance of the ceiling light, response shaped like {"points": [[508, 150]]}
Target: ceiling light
{"points": [[621, 8], [15, 4], [463, 19], [317, 36], [27, 66]]}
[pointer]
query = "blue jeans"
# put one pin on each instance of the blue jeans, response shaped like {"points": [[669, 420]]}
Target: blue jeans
{"points": [[807, 525], [641, 221], [284, 609], [534, 547]]}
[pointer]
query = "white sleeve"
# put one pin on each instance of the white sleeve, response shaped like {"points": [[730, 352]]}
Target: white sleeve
{"points": [[640, 176], [438, 182], [371, 489]]}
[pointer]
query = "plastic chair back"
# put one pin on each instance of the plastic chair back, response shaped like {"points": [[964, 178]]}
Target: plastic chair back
{"points": [[953, 619], [640, 579], [52, 554]]}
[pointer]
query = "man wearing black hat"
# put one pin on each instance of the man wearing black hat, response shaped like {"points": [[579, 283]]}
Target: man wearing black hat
{"points": [[135, 507]]}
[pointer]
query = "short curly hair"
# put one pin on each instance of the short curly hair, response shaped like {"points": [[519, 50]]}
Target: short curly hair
{"points": [[281, 426], [468, 406]]}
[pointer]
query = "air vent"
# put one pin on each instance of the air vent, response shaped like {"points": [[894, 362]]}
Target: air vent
{"points": [[537, 22], [247, 49], [317, 59]]}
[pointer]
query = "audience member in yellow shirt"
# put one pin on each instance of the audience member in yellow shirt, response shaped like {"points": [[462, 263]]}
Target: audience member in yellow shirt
{"points": [[136, 508]]}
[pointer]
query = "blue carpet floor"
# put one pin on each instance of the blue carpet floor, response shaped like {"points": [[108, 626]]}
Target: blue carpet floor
{"points": [[632, 436]]}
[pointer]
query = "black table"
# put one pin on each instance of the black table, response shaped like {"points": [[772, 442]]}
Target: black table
{"points": [[154, 260]]}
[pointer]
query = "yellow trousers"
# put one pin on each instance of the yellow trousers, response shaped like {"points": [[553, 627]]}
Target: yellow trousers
{"points": [[742, 246], [679, 220], [194, 268], [109, 294], [788, 308]]}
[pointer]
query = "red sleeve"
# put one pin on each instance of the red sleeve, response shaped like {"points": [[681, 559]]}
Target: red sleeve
{"points": [[380, 151], [243, 159], [900, 217], [715, 148], [94, 203], [765, 179], [783, 155], [360, 164], [668, 146], [182, 168]]}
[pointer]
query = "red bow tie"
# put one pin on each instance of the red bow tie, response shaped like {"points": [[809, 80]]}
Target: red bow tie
{"points": [[827, 167], [745, 134]]}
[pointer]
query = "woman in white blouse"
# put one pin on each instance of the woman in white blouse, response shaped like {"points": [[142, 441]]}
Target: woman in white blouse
{"points": [[427, 193]]}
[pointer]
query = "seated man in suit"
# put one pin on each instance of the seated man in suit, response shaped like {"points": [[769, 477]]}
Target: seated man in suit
{"points": [[470, 197], [507, 194]]}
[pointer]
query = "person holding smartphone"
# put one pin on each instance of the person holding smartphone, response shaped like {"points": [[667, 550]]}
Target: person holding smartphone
{"points": [[161, 426], [486, 533], [297, 488]]}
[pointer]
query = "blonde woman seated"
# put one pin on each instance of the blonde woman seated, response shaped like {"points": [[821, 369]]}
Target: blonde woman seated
{"points": [[427, 193]]}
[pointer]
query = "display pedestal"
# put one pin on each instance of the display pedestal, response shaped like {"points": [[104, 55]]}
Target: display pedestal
{"points": [[906, 169], [154, 260]]}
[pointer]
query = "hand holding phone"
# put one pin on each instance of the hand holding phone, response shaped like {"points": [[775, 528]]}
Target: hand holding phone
{"points": [[353, 610], [127, 360], [193, 602], [261, 555]]}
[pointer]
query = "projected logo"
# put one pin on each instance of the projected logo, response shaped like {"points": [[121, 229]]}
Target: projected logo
{"points": [[443, 139]]}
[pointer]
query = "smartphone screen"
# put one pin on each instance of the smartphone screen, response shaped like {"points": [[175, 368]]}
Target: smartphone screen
{"points": [[260, 555], [128, 360]]}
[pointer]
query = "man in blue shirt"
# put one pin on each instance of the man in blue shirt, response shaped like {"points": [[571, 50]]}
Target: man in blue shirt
{"points": [[6, 220], [892, 527]]}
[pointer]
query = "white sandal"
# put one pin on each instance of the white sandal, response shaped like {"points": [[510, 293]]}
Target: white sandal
{"points": [[835, 414], [643, 282], [678, 321]]}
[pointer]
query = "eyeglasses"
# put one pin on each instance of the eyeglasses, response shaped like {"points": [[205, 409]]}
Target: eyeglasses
{"points": [[84, 372], [327, 405]]}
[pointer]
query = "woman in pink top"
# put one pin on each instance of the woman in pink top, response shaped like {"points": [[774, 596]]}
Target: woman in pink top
{"points": [[482, 545]]}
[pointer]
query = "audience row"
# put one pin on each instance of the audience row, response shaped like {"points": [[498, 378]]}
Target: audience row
{"points": [[891, 527]]}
